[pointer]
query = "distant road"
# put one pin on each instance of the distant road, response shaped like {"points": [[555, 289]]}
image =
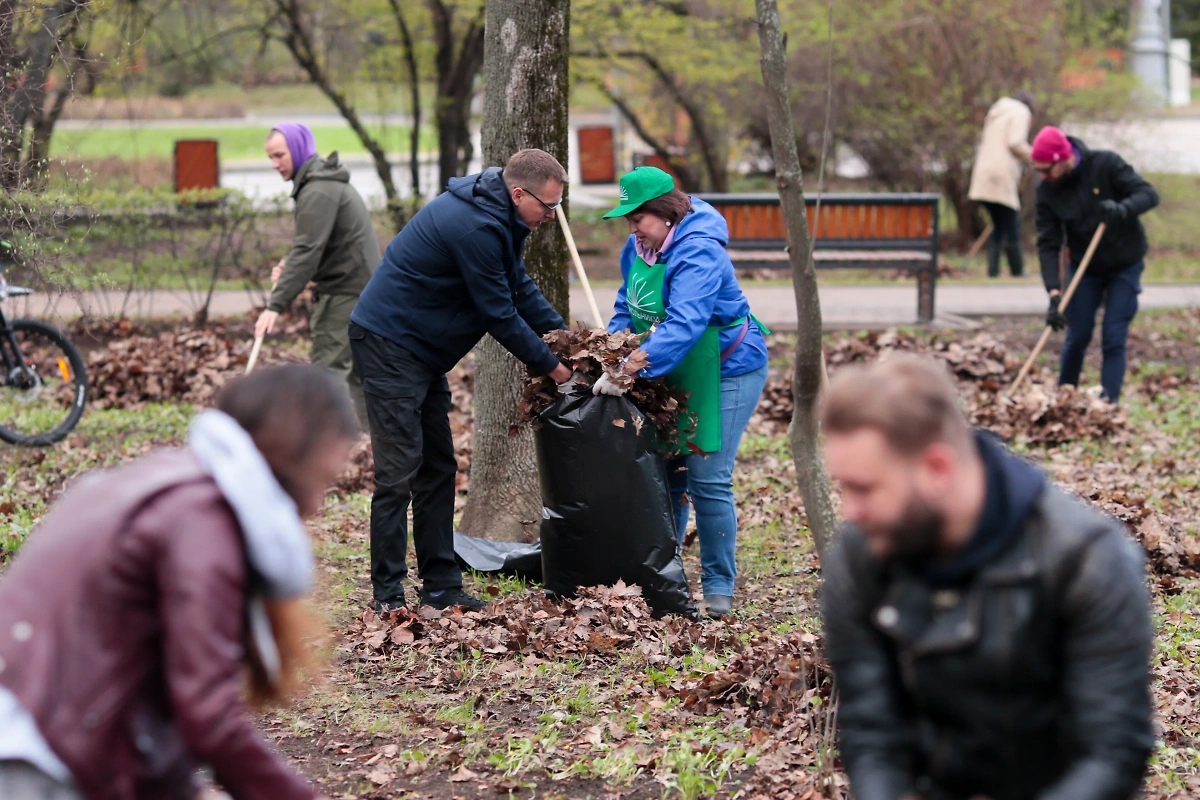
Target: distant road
{"points": [[841, 306]]}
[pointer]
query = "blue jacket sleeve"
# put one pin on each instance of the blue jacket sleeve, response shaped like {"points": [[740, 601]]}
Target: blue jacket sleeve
{"points": [[480, 255], [691, 287], [533, 306], [621, 320]]}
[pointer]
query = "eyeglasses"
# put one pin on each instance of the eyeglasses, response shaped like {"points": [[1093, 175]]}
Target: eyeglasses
{"points": [[549, 208]]}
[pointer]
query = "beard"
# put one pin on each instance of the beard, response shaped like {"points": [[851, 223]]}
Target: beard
{"points": [[913, 538]]}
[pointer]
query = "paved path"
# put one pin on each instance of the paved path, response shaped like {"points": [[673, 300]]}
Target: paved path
{"points": [[841, 306]]}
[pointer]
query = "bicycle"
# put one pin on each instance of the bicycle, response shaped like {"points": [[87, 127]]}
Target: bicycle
{"points": [[43, 384]]}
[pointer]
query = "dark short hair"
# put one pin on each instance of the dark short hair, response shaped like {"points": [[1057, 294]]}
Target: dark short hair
{"points": [[1025, 96], [532, 168], [672, 206], [289, 411], [909, 399]]}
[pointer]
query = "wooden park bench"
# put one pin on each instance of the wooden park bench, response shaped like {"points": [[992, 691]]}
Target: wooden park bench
{"points": [[856, 231]]}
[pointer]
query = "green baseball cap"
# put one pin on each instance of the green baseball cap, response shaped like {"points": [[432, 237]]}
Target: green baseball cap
{"points": [[640, 186]]}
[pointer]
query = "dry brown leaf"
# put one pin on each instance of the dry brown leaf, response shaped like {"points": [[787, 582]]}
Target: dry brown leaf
{"points": [[463, 774]]}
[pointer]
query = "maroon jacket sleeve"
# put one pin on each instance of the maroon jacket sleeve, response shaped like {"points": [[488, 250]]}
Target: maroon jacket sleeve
{"points": [[201, 580]]}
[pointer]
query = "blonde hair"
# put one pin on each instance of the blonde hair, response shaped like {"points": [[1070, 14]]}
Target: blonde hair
{"points": [[531, 168], [298, 636], [910, 399]]}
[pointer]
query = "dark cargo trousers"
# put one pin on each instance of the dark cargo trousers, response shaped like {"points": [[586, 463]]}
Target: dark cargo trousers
{"points": [[408, 408], [331, 344]]}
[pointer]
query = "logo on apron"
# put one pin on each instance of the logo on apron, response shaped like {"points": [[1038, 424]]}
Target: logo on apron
{"points": [[640, 297]]}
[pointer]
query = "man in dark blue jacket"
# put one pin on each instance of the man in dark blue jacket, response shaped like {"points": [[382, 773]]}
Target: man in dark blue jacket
{"points": [[451, 275]]}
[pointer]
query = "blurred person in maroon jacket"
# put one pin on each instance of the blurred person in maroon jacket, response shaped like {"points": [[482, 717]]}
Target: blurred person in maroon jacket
{"points": [[129, 618]]}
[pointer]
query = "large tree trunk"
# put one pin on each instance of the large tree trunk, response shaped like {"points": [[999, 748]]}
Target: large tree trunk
{"points": [[809, 369], [525, 105]]}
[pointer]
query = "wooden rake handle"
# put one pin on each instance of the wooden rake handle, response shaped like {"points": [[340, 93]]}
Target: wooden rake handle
{"points": [[1066, 298], [258, 340], [597, 320]]}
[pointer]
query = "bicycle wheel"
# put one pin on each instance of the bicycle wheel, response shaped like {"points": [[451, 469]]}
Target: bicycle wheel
{"points": [[43, 388]]}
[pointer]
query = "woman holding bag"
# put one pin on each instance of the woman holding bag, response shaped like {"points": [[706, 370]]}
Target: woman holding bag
{"points": [[679, 286]]}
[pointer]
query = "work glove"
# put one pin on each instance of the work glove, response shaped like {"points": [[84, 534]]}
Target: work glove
{"points": [[1053, 318], [1112, 211], [606, 385]]}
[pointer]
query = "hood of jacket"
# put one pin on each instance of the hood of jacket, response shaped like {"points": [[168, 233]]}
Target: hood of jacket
{"points": [[1085, 154], [320, 169], [277, 545], [1013, 488], [702, 221], [487, 191]]}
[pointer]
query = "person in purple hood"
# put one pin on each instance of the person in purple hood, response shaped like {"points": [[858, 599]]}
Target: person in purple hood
{"points": [[334, 246]]}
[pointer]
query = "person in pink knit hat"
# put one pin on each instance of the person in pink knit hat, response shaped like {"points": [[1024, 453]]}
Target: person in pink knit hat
{"points": [[1080, 189]]}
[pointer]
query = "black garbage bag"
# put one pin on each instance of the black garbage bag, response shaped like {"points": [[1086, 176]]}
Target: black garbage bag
{"points": [[519, 559], [606, 512]]}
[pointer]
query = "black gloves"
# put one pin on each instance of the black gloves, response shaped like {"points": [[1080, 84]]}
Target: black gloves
{"points": [[1053, 318], [1112, 211]]}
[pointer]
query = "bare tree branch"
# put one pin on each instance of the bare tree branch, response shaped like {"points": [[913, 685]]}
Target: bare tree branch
{"points": [[713, 163], [42, 50], [414, 82], [712, 160], [457, 68], [687, 176], [299, 41]]}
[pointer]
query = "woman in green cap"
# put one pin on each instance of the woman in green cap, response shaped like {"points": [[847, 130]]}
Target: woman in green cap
{"points": [[679, 284]]}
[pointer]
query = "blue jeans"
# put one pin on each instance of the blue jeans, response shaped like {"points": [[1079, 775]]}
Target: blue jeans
{"points": [[708, 480], [1119, 294]]}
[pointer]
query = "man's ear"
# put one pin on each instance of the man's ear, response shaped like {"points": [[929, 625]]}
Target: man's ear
{"points": [[938, 462]]}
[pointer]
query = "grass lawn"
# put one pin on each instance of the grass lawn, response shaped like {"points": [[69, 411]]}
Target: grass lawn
{"points": [[236, 142], [441, 717]]}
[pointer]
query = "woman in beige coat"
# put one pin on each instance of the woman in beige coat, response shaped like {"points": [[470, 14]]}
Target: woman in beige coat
{"points": [[996, 177]]}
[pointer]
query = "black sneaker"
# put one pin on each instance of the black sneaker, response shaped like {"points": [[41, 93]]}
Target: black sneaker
{"points": [[396, 604], [442, 599]]}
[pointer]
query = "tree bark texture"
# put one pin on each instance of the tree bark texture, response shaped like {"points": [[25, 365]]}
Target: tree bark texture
{"points": [[809, 368], [459, 57], [525, 105]]}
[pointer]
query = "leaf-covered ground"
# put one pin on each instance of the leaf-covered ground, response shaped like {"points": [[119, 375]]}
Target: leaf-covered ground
{"points": [[594, 698]]}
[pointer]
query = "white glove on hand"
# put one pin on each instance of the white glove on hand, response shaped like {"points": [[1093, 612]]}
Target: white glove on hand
{"points": [[606, 385]]}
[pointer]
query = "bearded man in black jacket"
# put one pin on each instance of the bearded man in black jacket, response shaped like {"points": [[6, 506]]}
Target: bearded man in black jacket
{"points": [[989, 633], [1081, 188]]}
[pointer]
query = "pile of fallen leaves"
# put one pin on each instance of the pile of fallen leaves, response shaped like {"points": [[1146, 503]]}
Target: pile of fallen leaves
{"points": [[593, 352], [1171, 551], [184, 364], [188, 366], [771, 682], [359, 475], [598, 621], [983, 368]]}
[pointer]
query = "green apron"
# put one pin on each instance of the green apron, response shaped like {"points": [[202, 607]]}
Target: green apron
{"points": [[698, 374]]}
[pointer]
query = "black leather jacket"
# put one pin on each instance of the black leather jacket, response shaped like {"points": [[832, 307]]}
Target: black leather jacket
{"points": [[1031, 681]]}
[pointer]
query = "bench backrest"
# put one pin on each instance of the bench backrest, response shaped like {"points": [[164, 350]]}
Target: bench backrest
{"points": [[848, 221]]}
